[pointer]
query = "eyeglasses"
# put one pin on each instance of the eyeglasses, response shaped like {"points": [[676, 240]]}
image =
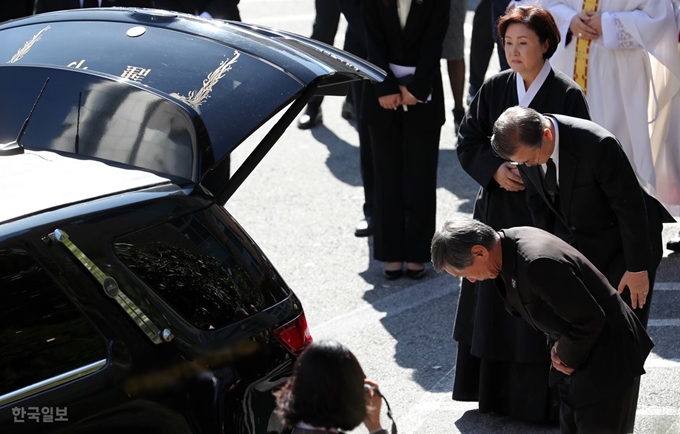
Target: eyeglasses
{"points": [[529, 162]]}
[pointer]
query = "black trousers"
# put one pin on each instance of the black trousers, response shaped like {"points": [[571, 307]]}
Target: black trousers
{"points": [[609, 416], [324, 29], [405, 159], [481, 45], [498, 8], [357, 89]]}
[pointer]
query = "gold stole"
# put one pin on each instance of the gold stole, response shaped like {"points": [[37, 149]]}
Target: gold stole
{"points": [[583, 51]]}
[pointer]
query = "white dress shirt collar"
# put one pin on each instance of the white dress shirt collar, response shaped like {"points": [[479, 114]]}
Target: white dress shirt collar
{"points": [[555, 156]]}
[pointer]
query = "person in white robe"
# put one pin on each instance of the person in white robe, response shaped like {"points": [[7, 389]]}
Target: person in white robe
{"points": [[666, 140], [626, 94]]}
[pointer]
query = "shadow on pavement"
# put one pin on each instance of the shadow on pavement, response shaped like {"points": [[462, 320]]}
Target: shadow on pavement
{"points": [[428, 348], [452, 177], [475, 422], [343, 158]]}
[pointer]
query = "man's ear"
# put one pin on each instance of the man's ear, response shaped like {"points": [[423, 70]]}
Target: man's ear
{"points": [[547, 133], [479, 251]]}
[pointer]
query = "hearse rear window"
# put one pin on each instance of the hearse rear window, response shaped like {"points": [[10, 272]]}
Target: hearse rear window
{"points": [[204, 269]]}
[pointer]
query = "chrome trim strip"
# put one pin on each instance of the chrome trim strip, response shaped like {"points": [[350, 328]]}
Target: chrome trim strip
{"points": [[51, 382], [111, 288]]}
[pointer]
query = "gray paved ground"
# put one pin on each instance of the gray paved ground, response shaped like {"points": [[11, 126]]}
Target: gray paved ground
{"points": [[301, 205]]}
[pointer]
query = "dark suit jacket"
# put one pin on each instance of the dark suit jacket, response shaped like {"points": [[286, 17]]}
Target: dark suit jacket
{"points": [[614, 221], [218, 9], [558, 291], [60, 5], [419, 44]]}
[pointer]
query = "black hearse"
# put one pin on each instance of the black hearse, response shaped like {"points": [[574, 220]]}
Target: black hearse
{"points": [[130, 299]]}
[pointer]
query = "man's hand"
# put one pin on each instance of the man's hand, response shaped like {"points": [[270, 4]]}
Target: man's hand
{"points": [[374, 403], [557, 362], [406, 96], [638, 284], [507, 176], [390, 102]]}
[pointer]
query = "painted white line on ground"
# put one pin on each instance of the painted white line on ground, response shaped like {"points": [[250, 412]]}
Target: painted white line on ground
{"points": [[433, 400], [392, 305], [667, 286], [659, 362], [448, 406], [666, 322], [657, 411]]}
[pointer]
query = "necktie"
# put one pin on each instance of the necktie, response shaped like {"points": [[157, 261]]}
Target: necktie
{"points": [[550, 180], [90, 3]]}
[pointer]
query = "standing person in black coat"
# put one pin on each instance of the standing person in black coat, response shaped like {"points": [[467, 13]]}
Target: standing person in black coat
{"points": [[598, 345], [355, 43], [16, 9], [324, 29], [60, 5], [405, 114], [218, 9]]}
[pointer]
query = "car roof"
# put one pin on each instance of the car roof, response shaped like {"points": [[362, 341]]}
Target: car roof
{"points": [[36, 181], [162, 91]]}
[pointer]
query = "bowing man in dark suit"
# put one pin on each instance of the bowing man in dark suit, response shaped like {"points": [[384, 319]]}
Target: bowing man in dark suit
{"points": [[578, 177], [599, 344], [60, 5]]}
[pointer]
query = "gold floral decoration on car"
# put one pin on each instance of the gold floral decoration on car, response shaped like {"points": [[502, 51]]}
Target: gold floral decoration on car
{"points": [[28, 45], [197, 98]]}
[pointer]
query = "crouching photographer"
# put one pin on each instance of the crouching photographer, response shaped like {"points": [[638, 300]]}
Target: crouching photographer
{"points": [[329, 392]]}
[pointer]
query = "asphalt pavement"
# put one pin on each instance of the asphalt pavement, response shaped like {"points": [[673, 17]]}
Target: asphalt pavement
{"points": [[301, 205]]}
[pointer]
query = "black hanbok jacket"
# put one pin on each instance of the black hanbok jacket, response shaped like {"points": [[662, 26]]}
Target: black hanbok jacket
{"points": [[614, 221], [558, 291], [418, 44]]}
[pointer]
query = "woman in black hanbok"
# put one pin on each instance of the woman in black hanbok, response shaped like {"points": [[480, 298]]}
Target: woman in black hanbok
{"points": [[502, 362]]}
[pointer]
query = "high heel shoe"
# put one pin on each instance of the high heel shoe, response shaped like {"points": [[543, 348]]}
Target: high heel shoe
{"points": [[416, 274], [392, 274]]}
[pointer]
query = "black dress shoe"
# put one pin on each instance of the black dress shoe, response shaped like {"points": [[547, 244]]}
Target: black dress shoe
{"points": [[674, 244], [348, 111], [416, 274], [392, 274], [310, 118], [364, 228]]}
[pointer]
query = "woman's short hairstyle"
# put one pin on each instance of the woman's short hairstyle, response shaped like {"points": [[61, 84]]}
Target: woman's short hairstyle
{"points": [[452, 244], [326, 389], [537, 19]]}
